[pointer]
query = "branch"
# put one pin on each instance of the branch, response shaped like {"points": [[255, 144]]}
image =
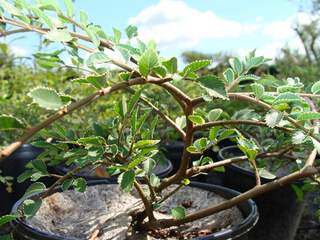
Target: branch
{"points": [[305, 172], [256, 172], [236, 122], [147, 205], [67, 110]]}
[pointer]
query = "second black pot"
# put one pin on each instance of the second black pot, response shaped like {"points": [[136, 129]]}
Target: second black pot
{"points": [[280, 211]]}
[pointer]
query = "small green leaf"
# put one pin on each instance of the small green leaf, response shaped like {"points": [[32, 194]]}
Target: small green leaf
{"points": [[287, 97], [145, 144], [8, 7], [195, 66], [131, 31], [305, 116], [257, 89], [248, 147], [46, 98], [80, 184], [229, 75], [58, 35], [298, 191], [69, 7], [315, 89], [96, 81], [30, 207], [148, 61], [171, 65], [83, 18], [273, 117], [219, 169], [94, 140], [196, 119], [40, 166], [236, 65], [181, 122], [91, 31], [214, 86], [254, 62], [126, 180], [9, 122], [117, 35], [178, 212], [43, 17], [97, 58], [154, 180], [213, 133], [35, 188], [214, 114], [7, 218], [249, 77], [67, 184]]}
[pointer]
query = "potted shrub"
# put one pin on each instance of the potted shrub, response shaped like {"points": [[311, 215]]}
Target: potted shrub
{"points": [[169, 208]]}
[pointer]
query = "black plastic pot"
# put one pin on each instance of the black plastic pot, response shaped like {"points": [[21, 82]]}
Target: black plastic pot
{"points": [[162, 169], [280, 212], [13, 166], [248, 208]]}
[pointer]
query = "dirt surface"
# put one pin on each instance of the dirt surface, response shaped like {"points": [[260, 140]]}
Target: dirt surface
{"points": [[102, 213]]}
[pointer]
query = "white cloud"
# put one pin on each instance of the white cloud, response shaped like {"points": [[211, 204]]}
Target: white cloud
{"points": [[176, 24]]}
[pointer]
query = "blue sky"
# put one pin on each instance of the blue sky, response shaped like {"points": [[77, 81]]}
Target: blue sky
{"points": [[205, 25]]}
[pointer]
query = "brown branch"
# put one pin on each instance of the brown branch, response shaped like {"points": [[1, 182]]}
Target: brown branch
{"points": [[256, 172], [147, 204], [236, 122], [67, 110], [258, 190]]}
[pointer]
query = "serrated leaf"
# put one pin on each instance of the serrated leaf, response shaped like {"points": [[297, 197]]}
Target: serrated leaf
{"points": [[305, 116], [7, 218], [126, 180], [178, 212], [35, 188], [254, 62], [96, 81], [273, 117], [40, 166], [9, 122], [236, 65], [160, 71], [228, 75], [213, 133], [30, 207], [148, 61], [145, 144], [171, 65], [315, 89], [80, 184], [195, 66], [248, 147], [249, 77], [214, 114], [214, 86], [58, 35], [67, 184], [287, 97], [97, 58], [196, 119], [46, 98], [257, 89], [131, 31]]}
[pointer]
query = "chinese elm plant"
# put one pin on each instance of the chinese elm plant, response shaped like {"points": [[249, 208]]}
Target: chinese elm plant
{"points": [[127, 145]]}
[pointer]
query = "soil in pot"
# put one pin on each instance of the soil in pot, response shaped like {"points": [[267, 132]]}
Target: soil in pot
{"points": [[280, 211], [102, 212]]}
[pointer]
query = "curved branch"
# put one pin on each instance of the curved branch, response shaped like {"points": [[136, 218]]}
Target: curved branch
{"points": [[67, 110]]}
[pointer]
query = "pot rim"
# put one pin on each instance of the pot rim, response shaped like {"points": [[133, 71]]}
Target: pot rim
{"points": [[249, 221]]}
